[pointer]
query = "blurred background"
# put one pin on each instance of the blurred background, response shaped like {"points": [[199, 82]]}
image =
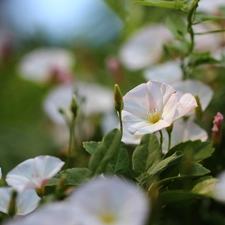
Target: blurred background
{"points": [[46, 47]]}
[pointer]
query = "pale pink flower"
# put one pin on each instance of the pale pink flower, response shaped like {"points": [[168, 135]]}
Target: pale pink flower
{"points": [[144, 47], [34, 173], [217, 129], [26, 201], [152, 106]]}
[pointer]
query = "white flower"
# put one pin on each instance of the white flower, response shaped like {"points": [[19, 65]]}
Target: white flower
{"points": [[168, 72], [152, 106], [145, 47], [209, 6], [41, 65], [110, 201], [96, 99], [0, 173], [184, 131], [219, 190], [57, 213], [26, 201], [34, 173], [196, 87]]}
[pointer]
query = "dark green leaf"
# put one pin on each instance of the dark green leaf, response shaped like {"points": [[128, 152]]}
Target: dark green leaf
{"points": [[194, 151], [165, 163], [105, 152], [90, 146], [147, 154], [73, 176]]}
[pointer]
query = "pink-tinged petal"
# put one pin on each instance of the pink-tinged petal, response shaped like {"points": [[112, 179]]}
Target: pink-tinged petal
{"points": [[170, 108], [186, 103], [33, 173], [196, 87], [136, 101]]}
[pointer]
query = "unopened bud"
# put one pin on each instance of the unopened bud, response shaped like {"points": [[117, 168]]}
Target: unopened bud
{"points": [[12, 204], [198, 109], [217, 129], [74, 106], [118, 98]]}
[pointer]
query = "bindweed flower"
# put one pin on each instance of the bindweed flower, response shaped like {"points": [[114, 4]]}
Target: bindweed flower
{"points": [[152, 106], [217, 129], [211, 7], [25, 202], [112, 201], [34, 173], [219, 190], [94, 99], [45, 64], [102, 201], [144, 47], [196, 87]]}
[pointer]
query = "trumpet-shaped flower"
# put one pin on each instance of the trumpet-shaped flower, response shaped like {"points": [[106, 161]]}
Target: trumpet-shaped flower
{"points": [[102, 201], [34, 173], [152, 106], [110, 201], [25, 202]]}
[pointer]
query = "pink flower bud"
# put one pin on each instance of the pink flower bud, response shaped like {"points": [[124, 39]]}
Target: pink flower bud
{"points": [[217, 129]]}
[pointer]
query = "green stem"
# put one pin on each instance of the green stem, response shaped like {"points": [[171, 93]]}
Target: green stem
{"points": [[169, 140], [161, 139], [121, 123]]}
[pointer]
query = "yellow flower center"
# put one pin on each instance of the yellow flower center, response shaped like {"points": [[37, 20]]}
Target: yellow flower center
{"points": [[108, 218], [154, 117]]}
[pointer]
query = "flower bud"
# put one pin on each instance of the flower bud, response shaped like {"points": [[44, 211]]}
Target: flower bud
{"points": [[118, 99], [74, 106], [217, 129]]}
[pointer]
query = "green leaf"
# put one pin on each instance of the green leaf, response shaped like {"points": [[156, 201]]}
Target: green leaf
{"points": [[165, 163], [90, 146], [205, 186], [194, 151], [177, 196], [105, 152], [199, 17], [147, 154], [175, 172], [179, 5], [177, 26], [121, 162], [74, 176]]}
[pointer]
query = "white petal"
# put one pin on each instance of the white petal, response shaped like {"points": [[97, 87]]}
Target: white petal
{"points": [[219, 191], [112, 196], [33, 173], [168, 72], [5, 196], [196, 87]]}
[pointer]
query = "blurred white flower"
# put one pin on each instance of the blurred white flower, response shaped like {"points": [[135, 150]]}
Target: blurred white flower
{"points": [[207, 42], [0, 173], [219, 190], [168, 72], [46, 64], [152, 106], [110, 201], [56, 213], [196, 87], [144, 47], [26, 201], [34, 173], [94, 99], [183, 131], [102, 201], [209, 6]]}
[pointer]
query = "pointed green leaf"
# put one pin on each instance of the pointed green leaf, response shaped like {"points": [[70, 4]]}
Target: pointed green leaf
{"points": [[74, 176], [90, 146], [167, 162], [199, 17], [147, 154], [194, 151], [121, 162], [105, 152], [179, 5]]}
